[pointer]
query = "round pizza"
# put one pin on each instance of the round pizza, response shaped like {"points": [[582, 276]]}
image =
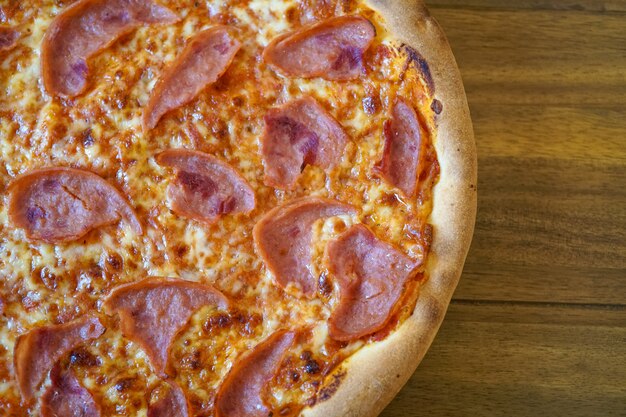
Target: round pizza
{"points": [[225, 208]]}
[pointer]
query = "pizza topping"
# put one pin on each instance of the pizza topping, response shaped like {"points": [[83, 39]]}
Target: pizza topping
{"points": [[63, 204], [332, 49], [36, 351], [241, 393], [403, 149], [205, 58], [436, 106], [286, 371], [299, 133], [8, 38], [283, 238], [153, 311], [205, 187], [371, 275], [172, 404], [85, 28], [67, 397]]}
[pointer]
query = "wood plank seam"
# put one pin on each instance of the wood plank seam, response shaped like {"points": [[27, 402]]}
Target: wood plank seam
{"points": [[546, 304]]}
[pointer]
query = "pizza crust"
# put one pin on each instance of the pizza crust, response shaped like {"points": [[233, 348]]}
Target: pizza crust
{"points": [[367, 381]]}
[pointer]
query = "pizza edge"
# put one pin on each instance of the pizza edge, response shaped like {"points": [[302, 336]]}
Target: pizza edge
{"points": [[367, 381]]}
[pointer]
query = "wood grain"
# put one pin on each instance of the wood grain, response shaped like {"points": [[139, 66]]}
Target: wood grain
{"points": [[603, 6], [539, 56], [520, 361], [552, 201], [538, 323]]}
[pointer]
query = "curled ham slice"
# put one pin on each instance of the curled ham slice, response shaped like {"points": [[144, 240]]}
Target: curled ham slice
{"points": [[67, 397], [85, 28], [205, 188], [205, 58], [371, 275], [153, 311], [172, 404], [241, 393], [8, 38], [299, 133], [332, 49], [62, 204], [38, 350], [283, 238], [400, 162]]}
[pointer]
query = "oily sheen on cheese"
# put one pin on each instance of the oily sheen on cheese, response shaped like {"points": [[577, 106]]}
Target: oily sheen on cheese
{"points": [[101, 130]]}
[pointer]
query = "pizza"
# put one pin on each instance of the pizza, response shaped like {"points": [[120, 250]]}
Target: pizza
{"points": [[225, 208]]}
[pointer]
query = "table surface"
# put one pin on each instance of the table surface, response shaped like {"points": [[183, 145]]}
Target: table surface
{"points": [[537, 326]]}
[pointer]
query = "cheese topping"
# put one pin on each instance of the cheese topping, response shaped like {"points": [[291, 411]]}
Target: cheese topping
{"points": [[101, 131]]}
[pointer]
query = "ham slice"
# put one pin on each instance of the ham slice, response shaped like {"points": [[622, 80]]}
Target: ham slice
{"points": [[400, 162], [283, 238], [57, 205], [299, 133], [38, 350], [205, 58], [371, 275], [172, 404], [205, 188], [84, 29], [332, 49], [241, 393], [153, 311], [66, 397], [8, 38]]}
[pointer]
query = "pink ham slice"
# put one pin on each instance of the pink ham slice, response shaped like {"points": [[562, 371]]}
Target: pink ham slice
{"points": [[153, 311], [38, 350], [241, 393], [371, 275], [8, 38], [205, 58], [205, 188], [283, 238], [67, 397], [57, 205], [403, 149], [299, 133], [172, 404], [85, 28], [332, 49]]}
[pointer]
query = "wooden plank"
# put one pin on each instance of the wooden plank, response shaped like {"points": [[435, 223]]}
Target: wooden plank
{"points": [[552, 205], [603, 6], [548, 223], [563, 132], [521, 361], [549, 111], [548, 229], [503, 281], [537, 313], [539, 57]]}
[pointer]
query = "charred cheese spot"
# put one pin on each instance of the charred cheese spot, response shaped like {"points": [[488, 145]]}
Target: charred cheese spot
{"points": [[100, 130]]}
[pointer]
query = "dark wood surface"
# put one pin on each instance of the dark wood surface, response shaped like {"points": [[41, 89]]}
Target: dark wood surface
{"points": [[537, 326]]}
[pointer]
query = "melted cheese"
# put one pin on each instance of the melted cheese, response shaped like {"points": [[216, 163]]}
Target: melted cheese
{"points": [[101, 131]]}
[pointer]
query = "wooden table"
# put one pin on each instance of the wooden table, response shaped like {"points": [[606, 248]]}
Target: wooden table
{"points": [[537, 326]]}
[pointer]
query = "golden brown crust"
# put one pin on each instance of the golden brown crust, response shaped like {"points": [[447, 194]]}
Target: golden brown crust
{"points": [[374, 375]]}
